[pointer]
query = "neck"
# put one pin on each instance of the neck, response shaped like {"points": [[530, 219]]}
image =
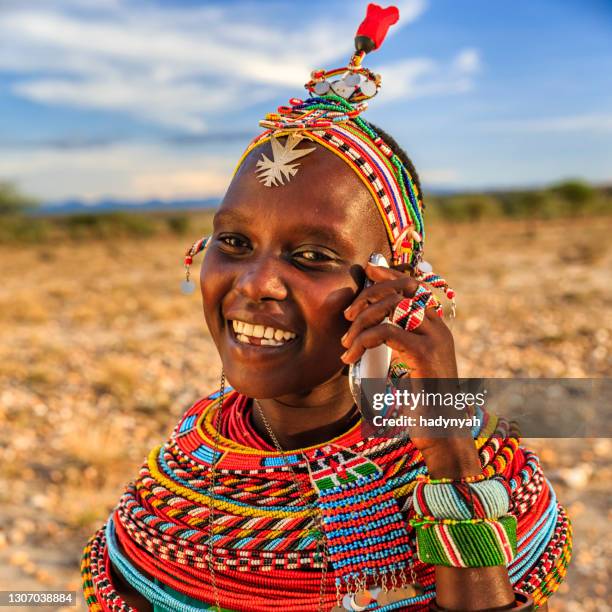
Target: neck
{"points": [[309, 418]]}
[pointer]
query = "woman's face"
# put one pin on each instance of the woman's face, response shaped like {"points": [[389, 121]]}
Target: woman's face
{"points": [[288, 258]]}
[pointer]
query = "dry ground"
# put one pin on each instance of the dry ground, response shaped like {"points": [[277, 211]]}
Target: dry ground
{"points": [[101, 353]]}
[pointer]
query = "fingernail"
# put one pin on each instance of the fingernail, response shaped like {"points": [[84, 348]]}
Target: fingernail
{"points": [[343, 356], [344, 337]]}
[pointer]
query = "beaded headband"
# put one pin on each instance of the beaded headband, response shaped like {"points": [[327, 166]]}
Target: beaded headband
{"points": [[331, 118]]}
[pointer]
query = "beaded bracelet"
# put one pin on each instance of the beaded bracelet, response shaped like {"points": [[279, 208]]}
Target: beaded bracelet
{"points": [[474, 497], [465, 543]]}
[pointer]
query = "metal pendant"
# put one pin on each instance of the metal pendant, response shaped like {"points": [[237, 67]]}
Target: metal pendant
{"points": [[187, 287], [342, 89], [361, 600], [397, 594], [352, 79], [368, 88], [321, 88]]}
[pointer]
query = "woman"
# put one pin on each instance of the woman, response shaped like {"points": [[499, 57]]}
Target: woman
{"points": [[267, 495]]}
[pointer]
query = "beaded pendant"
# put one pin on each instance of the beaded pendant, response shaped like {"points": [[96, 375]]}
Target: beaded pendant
{"points": [[367, 537]]}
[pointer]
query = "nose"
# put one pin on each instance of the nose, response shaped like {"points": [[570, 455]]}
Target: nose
{"points": [[261, 279]]}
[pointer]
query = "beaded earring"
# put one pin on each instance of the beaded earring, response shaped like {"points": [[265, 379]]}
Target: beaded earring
{"points": [[424, 274], [187, 286], [423, 270]]}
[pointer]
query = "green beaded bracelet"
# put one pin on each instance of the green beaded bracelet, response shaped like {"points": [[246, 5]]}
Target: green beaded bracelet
{"points": [[471, 543]]}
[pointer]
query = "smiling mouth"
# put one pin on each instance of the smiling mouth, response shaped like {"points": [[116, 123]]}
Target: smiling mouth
{"points": [[260, 335]]}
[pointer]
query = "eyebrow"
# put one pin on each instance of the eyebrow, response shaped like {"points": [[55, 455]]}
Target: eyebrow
{"points": [[322, 233]]}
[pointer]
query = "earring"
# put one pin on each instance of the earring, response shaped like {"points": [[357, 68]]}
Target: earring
{"points": [[187, 286], [425, 274]]}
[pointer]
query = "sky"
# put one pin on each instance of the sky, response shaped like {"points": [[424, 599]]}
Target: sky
{"points": [[134, 100]]}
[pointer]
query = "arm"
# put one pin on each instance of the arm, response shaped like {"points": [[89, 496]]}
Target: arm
{"points": [[465, 588]]}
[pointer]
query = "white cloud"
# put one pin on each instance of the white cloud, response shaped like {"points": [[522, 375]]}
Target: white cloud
{"points": [[595, 122], [467, 61], [132, 171], [178, 183], [412, 78], [172, 66]]}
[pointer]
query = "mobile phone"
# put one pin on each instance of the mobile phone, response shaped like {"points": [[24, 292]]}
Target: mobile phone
{"points": [[375, 362]]}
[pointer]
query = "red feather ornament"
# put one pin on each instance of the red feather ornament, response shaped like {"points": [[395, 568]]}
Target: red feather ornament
{"points": [[374, 27]]}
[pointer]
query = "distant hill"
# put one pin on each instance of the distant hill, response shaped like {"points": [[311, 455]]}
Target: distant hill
{"points": [[72, 207]]}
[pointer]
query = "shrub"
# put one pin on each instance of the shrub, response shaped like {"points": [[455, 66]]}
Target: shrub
{"points": [[575, 192], [14, 202], [178, 224], [107, 225], [16, 228]]}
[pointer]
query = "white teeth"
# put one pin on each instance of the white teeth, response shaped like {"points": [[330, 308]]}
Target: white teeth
{"points": [[270, 342], [269, 336], [263, 341]]}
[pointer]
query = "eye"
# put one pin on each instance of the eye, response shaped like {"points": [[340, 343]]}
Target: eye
{"points": [[314, 256], [233, 241]]}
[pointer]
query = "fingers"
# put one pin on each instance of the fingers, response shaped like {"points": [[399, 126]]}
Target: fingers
{"points": [[395, 337], [371, 315], [395, 283]]}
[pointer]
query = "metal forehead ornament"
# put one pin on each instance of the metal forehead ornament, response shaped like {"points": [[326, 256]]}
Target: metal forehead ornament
{"points": [[281, 167]]}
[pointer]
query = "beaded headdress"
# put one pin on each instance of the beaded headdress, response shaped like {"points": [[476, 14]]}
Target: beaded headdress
{"points": [[331, 117]]}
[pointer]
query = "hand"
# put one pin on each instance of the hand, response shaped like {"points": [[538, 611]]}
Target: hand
{"points": [[428, 350]]}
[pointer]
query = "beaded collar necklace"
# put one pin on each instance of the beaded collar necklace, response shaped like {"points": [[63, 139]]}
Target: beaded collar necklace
{"points": [[262, 544]]}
